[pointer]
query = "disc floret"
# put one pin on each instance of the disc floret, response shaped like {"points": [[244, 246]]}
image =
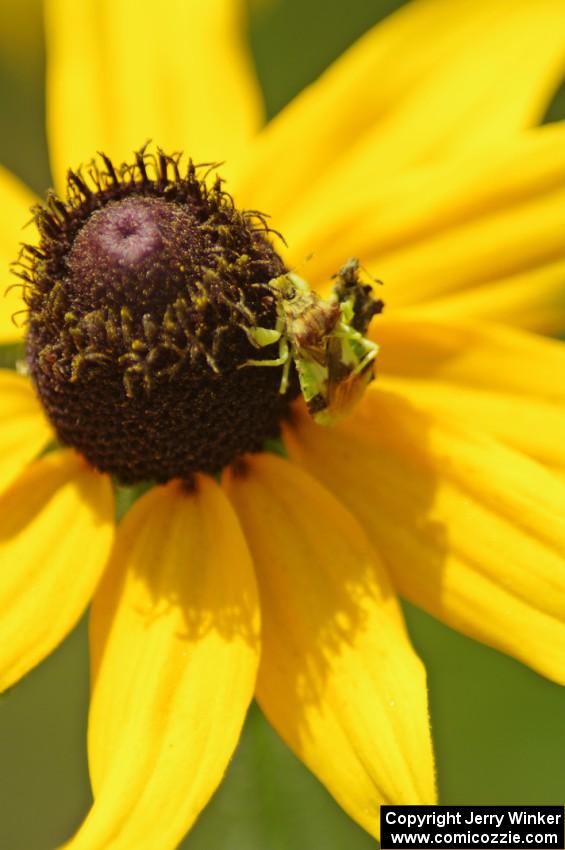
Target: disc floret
{"points": [[142, 294]]}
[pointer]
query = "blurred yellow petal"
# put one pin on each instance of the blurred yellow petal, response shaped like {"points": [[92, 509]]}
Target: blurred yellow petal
{"points": [[452, 226], [534, 299], [434, 78], [56, 530], [121, 73], [338, 678], [24, 431], [532, 426], [15, 203], [472, 354], [175, 643], [470, 530]]}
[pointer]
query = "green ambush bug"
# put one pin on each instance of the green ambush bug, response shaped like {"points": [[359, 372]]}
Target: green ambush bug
{"points": [[325, 340]]}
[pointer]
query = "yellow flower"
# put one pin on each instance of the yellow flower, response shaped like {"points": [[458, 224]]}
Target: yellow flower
{"points": [[415, 152]]}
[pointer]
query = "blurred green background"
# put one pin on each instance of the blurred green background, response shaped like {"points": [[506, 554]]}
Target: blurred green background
{"points": [[499, 729]]}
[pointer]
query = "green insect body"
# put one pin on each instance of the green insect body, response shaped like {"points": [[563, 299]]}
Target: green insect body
{"points": [[324, 339]]}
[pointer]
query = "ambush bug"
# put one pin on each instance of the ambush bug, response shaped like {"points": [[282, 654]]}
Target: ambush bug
{"points": [[324, 339]]}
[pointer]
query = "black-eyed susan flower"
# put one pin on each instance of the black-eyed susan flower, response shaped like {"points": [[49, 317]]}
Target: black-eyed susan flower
{"points": [[142, 299]]}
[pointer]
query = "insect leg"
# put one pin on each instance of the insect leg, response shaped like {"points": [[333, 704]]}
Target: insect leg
{"points": [[284, 352], [280, 361]]}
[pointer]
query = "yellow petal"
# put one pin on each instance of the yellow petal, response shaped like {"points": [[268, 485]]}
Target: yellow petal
{"points": [[15, 203], [338, 678], [468, 354], [120, 74], [434, 78], [470, 220], [24, 430], [56, 529], [175, 647], [534, 427], [470, 530], [534, 299]]}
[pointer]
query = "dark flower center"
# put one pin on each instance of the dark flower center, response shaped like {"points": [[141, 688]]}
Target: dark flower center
{"points": [[141, 295]]}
